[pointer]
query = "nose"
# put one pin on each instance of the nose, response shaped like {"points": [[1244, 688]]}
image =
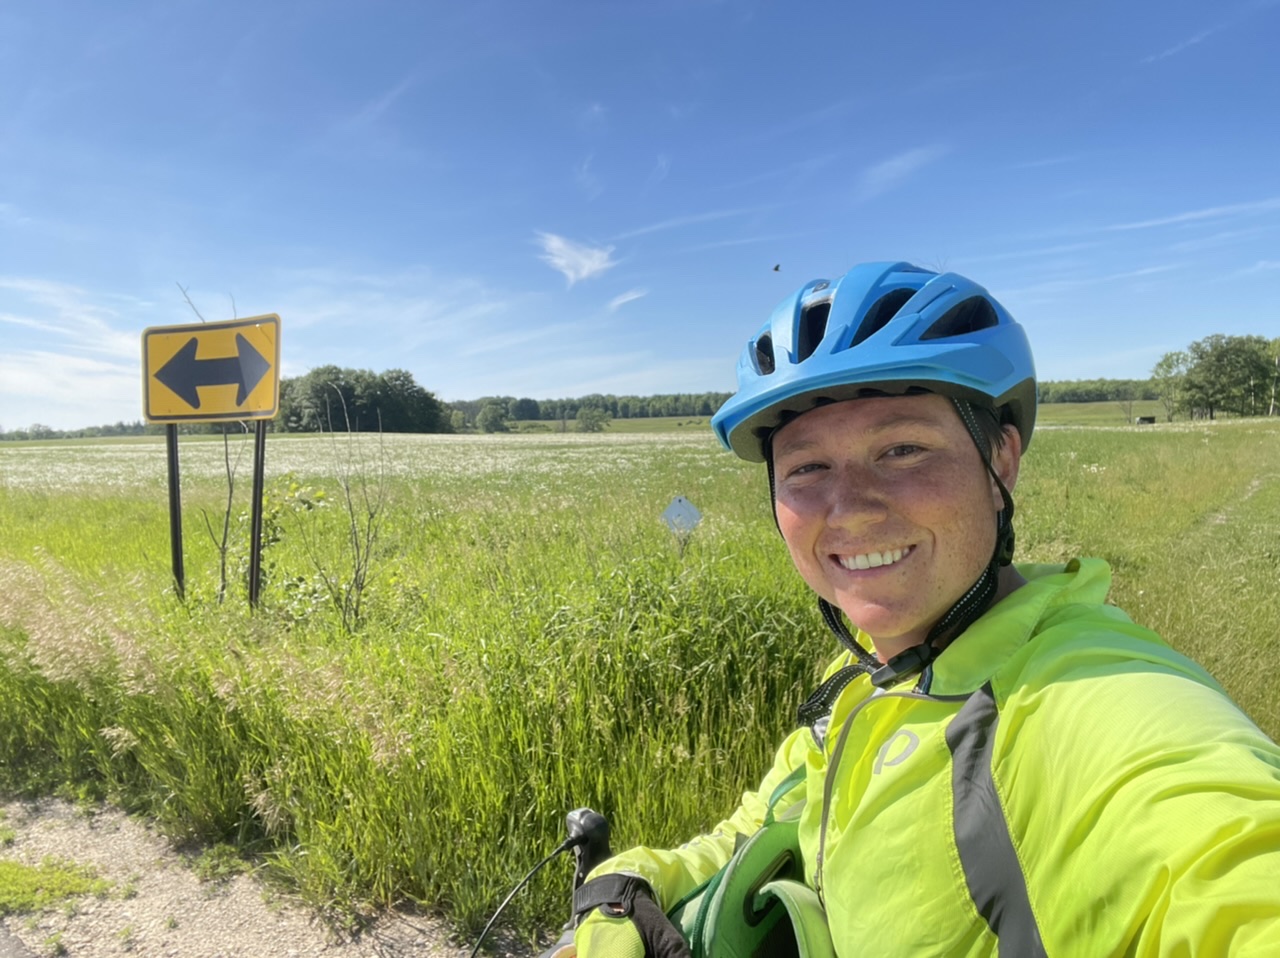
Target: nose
{"points": [[855, 498]]}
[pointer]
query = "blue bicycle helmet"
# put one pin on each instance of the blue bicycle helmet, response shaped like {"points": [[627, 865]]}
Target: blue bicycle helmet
{"points": [[887, 329], [881, 328]]}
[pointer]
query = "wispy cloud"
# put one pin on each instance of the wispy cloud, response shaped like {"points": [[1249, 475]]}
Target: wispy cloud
{"points": [[643, 372], [40, 325], [886, 175], [629, 296], [373, 110], [1138, 273], [1046, 161], [661, 167], [373, 128], [793, 174], [1049, 289], [691, 220], [1030, 252], [69, 312], [1261, 266], [1120, 363], [456, 334], [412, 309], [1186, 44], [9, 214], [600, 369], [586, 178], [71, 354], [1210, 213], [1214, 240], [797, 124], [66, 391], [735, 241], [14, 217], [593, 115], [576, 261], [1248, 10], [462, 339], [503, 341]]}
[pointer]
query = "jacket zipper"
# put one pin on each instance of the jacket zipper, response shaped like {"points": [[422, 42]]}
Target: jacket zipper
{"points": [[829, 778]]}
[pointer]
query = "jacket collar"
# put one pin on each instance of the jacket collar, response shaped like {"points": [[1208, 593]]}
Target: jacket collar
{"points": [[983, 649]]}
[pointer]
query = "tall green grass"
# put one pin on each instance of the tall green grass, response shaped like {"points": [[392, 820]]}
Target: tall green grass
{"points": [[534, 639]]}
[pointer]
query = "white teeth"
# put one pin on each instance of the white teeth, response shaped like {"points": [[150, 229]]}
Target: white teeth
{"points": [[872, 560]]}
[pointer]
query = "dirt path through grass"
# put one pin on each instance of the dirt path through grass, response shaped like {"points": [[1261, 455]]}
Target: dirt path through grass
{"points": [[159, 907]]}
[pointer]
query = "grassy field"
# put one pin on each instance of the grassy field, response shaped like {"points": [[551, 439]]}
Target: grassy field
{"points": [[531, 638], [1096, 413]]}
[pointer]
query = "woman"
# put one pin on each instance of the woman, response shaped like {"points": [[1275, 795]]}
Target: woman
{"points": [[998, 763]]}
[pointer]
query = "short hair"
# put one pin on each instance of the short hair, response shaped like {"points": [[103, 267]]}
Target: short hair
{"points": [[991, 423]]}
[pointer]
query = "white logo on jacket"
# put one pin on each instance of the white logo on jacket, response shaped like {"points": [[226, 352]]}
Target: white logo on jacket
{"points": [[904, 743]]}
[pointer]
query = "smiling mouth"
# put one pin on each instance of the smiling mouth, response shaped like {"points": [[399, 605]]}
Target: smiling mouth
{"points": [[873, 560]]}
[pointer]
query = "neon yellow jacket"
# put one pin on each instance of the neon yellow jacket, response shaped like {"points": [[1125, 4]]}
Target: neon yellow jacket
{"points": [[1062, 783]]}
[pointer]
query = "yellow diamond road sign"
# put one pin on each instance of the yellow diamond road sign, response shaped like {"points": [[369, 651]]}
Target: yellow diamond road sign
{"points": [[211, 372]]}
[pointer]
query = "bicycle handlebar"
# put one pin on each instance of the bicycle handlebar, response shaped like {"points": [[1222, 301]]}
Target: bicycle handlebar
{"points": [[589, 837], [589, 831]]}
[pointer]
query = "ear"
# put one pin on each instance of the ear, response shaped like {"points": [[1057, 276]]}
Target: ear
{"points": [[1005, 463]]}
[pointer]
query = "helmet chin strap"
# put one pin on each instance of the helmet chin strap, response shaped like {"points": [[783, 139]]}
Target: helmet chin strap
{"points": [[967, 609]]}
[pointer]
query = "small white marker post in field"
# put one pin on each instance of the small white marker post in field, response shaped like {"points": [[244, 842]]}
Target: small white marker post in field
{"points": [[681, 517]]}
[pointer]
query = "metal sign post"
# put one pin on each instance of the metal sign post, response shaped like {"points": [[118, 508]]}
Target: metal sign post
{"points": [[255, 534], [213, 372], [175, 507]]}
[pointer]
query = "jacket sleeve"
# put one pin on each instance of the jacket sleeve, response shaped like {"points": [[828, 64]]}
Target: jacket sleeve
{"points": [[1152, 826], [674, 873]]}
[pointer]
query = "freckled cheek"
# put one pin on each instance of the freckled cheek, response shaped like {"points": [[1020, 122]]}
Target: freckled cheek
{"points": [[801, 538], [799, 545], [969, 539], [791, 521]]}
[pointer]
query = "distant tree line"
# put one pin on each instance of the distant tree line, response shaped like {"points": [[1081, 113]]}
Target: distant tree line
{"points": [[1235, 375], [41, 431], [702, 404], [495, 413], [1096, 390]]}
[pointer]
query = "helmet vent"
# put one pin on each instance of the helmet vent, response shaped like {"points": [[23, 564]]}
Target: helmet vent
{"points": [[878, 316], [973, 314], [764, 354], [813, 326]]}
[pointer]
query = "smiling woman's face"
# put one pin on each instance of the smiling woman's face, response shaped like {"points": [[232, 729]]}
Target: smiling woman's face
{"points": [[888, 511]]}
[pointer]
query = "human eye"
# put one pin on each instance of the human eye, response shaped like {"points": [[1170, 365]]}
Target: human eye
{"points": [[903, 450], [799, 469]]}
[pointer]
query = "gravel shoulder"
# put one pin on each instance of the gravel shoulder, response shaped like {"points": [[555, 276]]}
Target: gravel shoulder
{"points": [[159, 908]]}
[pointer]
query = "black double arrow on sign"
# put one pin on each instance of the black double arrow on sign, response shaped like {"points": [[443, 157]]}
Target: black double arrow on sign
{"points": [[184, 373]]}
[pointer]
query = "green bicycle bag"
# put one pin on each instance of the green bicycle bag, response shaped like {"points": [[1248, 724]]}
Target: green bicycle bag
{"points": [[757, 905]]}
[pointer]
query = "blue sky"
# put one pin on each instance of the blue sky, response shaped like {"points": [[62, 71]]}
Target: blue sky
{"points": [[551, 198]]}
